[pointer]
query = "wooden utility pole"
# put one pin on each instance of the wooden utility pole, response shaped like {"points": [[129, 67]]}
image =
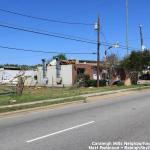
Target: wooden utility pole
{"points": [[127, 43], [141, 38], [142, 47], [98, 50]]}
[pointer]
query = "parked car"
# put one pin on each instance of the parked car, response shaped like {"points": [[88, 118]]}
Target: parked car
{"points": [[144, 79]]}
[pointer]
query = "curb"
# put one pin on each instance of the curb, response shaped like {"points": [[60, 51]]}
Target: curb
{"points": [[27, 110]]}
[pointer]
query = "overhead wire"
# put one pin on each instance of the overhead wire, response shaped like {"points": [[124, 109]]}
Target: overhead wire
{"points": [[40, 51], [64, 37], [47, 34], [46, 19], [60, 21], [46, 31]]}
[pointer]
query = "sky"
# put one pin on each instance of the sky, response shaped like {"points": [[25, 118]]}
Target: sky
{"points": [[112, 25]]}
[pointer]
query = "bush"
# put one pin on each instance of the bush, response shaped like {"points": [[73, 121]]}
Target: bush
{"points": [[94, 83], [83, 80], [120, 84]]}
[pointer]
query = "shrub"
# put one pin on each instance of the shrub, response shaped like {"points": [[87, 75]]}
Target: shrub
{"points": [[83, 80], [120, 84], [94, 83]]}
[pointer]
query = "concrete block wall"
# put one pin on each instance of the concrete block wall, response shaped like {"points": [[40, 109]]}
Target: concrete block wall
{"points": [[51, 75], [40, 76], [65, 76]]}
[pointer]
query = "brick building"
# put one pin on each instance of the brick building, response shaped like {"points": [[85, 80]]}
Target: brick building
{"points": [[65, 72]]}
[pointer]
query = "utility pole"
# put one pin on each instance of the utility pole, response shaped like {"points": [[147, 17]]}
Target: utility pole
{"points": [[127, 42], [98, 50], [142, 46], [141, 38]]}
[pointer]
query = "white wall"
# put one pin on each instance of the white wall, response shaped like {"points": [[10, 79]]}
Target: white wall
{"points": [[65, 75], [40, 75], [7, 75], [51, 75]]}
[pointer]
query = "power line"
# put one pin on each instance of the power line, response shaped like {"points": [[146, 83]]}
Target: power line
{"points": [[83, 40], [41, 30], [105, 43], [46, 19], [47, 34], [120, 46], [39, 51]]}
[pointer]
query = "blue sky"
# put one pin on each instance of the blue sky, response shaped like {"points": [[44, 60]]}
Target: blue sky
{"points": [[112, 15]]}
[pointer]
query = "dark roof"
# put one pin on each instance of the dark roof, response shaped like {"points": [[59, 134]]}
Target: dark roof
{"points": [[88, 61]]}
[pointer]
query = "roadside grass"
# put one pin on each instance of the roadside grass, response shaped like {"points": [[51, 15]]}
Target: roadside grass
{"points": [[8, 109], [45, 93]]}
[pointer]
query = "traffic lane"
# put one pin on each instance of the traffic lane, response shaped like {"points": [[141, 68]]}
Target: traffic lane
{"points": [[17, 134], [129, 125], [70, 109]]}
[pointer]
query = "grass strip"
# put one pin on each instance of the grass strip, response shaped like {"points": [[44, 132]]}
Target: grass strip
{"points": [[15, 108]]}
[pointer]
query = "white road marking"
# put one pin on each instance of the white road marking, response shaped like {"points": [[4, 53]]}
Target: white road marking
{"points": [[58, 132]]}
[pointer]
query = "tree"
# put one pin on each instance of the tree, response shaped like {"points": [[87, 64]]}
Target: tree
{"points": [[20, 67], [112, 65], [60, 56], [20, 86], [136, 61], [112, 60]]}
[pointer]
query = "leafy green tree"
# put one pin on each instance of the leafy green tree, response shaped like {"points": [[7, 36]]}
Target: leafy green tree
{"points": [[21, 67], [136, 61], [60, 56]]}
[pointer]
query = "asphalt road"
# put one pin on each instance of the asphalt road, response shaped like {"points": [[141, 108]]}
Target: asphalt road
{"points": [[76, 127]]}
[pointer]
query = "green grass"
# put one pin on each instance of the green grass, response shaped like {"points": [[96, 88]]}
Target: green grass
{"points": [[35, 94], [2, 110]]}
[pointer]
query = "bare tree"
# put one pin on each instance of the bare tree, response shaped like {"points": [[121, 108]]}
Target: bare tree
{"points": [[112, 60], [20, 85]]}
